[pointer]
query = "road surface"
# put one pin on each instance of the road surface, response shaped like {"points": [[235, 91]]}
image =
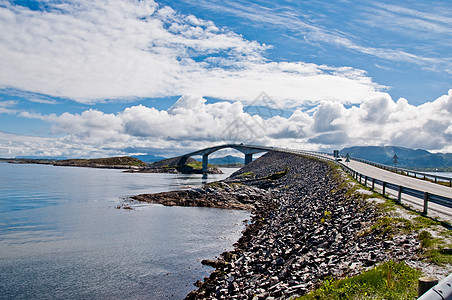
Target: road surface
{"points": [[434, 210]]}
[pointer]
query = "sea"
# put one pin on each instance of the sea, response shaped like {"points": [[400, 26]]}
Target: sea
{"points": [[443, 174], [62, 237]]}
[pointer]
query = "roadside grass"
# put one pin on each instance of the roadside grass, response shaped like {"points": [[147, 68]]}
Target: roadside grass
{"points": [[435, 249], [389, 280]]}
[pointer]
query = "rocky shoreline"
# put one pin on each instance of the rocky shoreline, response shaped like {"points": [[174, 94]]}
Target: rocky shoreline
{"points": [[304, 228]]}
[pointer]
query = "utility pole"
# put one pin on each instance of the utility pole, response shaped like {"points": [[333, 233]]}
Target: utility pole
{"points": [[395, 160]]}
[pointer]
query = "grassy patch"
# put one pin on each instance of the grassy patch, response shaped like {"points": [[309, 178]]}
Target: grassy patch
{"points": [[390, 226], [247, 174], [195, 165], [389, 280], [277, 175], [421, 222], [435, 249]]}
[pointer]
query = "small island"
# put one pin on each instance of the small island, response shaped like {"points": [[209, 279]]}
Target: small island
{"points": [[173, 165], [130, 164]]}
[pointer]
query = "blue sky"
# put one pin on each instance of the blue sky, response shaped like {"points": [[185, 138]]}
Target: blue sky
{"points": [[89, 79]]}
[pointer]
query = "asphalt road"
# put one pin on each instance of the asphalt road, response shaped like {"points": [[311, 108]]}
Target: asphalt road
{"points": [[434, 210]]}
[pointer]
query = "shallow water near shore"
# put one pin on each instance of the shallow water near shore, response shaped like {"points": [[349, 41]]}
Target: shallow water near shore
{"points": [[62, 238]]}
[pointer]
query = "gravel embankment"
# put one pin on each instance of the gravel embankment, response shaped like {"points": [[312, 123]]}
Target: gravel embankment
{"points": [[303, 229]]}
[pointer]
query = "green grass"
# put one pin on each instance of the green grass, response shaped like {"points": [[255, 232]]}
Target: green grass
{"points": [[389, 226], [247, 174], [435, 249], [195, 165], [109, 161], [277, 175], [389, 280]]}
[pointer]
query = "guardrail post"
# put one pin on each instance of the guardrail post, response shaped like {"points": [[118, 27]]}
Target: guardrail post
{"points": [[425, 203], [384, 188], [399, 196], [443, 290], [373, 183], [365, 180], [360, 177], [424, 284]]}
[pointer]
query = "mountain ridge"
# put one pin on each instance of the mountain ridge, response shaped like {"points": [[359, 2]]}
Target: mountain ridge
{"points": [[407, 158]]}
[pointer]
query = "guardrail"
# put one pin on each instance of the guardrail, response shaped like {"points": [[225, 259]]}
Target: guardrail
{"points": [[425, 196], [372, 182], [422, 175]]}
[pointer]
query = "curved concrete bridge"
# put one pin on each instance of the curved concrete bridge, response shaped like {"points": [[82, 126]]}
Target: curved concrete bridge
{"points": [[248, 150]]}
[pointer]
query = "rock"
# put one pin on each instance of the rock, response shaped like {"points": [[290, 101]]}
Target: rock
{"points": [[303, 228]]}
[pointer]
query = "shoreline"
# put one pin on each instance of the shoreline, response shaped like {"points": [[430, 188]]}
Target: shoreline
{"points": [[304, 227]]}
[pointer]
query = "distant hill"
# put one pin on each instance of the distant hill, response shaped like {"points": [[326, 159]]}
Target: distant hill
{"points": [[123, 161], [120, 162], [407, 158], [226, 160], [149, 158], [171, 162], [173, 165], [42, 157]]}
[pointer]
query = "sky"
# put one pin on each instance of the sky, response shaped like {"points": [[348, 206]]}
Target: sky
{"points": [[125, 77]]}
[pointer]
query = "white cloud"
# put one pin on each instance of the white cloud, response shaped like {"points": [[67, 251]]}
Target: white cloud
{"points": [[92, 51], [312, 26], [6, 106], [194, 124]]}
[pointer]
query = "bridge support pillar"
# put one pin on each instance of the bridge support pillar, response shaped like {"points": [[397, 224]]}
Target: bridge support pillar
{"points": [[205, 163], [248, 158], [182, 160]]}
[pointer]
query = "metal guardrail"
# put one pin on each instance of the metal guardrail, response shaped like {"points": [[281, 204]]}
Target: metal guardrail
{"points": [[365, 180], [425, 196], [422, 175]]}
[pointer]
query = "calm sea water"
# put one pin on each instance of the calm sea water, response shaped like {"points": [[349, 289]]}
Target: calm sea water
{"points": [[444, 174], [62, 238]]}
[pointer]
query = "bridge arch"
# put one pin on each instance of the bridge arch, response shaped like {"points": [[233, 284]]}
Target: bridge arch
{"points": [[245, 149]]}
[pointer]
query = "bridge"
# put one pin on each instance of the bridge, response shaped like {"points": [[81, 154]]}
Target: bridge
{"points": [[248, 150], [429, 197]]}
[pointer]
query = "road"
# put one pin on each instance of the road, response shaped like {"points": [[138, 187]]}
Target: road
{"points": [[434, 210], [406, 181]]}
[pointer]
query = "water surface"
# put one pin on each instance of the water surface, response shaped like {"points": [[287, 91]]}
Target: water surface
{"points": [[62, 238]]}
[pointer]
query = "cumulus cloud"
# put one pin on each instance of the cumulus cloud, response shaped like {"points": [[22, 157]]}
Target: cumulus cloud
{"points": [[92, 51], [192, 123]]}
